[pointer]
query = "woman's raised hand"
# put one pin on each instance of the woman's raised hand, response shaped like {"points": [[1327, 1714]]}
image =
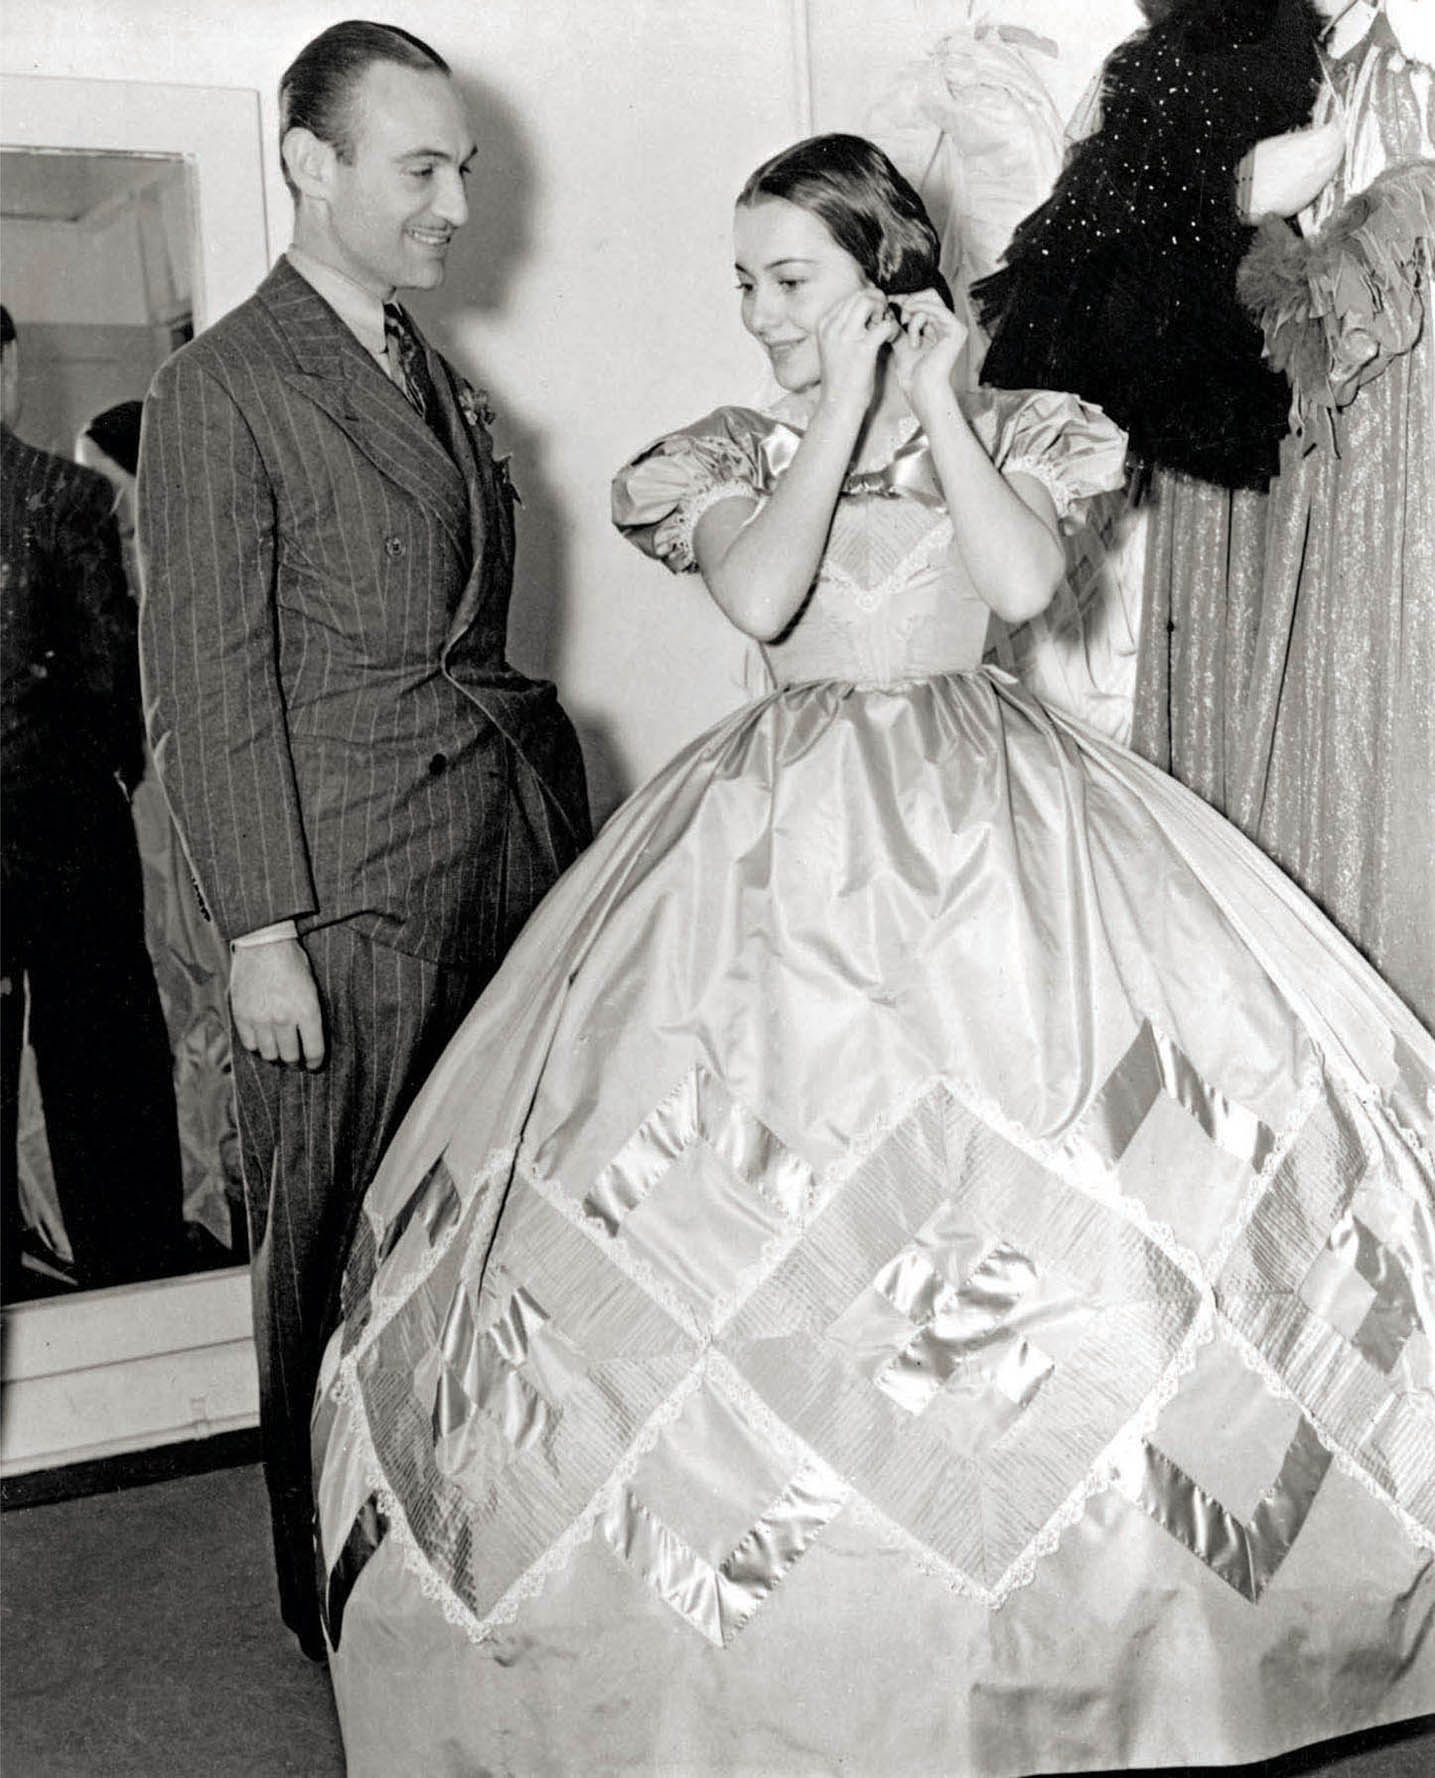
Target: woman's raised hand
{"points": [[849, 338], [926, 349]]}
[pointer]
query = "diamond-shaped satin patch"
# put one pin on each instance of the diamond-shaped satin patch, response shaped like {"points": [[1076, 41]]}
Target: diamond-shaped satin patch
{"points": [[1231, 1471], [1326, 1303], [513, 1373], [1358, 1274], [698, 1191], [962, 1332], [931, 1332], [715, 1553], [1176, 1142]]}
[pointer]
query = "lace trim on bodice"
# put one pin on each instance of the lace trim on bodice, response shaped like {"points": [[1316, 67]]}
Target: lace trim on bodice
{"points": [[891, 603], [674, 536], [867, 594], [1040, 470]]}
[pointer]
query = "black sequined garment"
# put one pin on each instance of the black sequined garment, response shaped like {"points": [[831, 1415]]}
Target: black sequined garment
{"points": [[1121, 288]]}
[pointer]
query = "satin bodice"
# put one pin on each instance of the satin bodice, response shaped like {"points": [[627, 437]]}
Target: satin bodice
{"points": [[891, 601]]}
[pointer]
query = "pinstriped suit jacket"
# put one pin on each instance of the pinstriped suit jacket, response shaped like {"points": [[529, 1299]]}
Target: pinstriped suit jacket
{"points": [[69, 692], [322, 640]]}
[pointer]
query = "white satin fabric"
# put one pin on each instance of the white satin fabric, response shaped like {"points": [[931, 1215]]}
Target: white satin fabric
{"points": [[922, 1261]]}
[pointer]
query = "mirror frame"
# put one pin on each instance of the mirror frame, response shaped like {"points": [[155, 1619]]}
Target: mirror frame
{"points": [[101, 1373]]}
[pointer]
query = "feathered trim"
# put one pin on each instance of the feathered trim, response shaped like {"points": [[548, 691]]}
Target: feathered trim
{"points": [[1336, 310]]}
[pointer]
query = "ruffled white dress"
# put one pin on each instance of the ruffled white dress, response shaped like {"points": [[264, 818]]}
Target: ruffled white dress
{"points": [[922, 1261]]}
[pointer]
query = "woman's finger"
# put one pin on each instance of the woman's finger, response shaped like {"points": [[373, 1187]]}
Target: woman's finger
{"points": [[934, 311], [869, 316], [922, 329]]}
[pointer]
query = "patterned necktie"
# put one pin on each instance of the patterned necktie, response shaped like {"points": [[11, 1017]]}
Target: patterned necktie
{"points": [[408, 358]]}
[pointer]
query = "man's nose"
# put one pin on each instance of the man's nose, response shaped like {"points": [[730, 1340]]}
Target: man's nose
{"points": [[452, 201]]}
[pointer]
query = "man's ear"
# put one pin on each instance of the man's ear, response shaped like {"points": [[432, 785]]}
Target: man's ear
{"points": [[308, 161]]}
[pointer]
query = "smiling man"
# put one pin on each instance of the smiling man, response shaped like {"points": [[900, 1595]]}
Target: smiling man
{"points": [[372, 798]]}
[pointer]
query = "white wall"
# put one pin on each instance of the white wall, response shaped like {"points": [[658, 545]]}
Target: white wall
{"points": [[68, 272], [592, 293]]}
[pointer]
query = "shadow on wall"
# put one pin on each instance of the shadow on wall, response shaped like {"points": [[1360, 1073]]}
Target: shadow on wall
{"points": [[484, 266]]}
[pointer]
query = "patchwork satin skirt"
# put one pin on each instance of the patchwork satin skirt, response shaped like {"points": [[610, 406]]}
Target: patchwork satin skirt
{"points": [[922, 1261]]}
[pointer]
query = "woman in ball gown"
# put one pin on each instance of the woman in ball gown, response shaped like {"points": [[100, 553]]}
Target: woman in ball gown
{"points": [[923, 1259]]}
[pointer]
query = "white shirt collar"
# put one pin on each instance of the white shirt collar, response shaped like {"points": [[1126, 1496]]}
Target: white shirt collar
{"points": [[360, 310]]}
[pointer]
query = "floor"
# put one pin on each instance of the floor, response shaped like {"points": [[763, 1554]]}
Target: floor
{"points": [[139, 1638]]}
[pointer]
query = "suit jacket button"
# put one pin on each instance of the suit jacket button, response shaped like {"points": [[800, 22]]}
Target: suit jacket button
{"points": [[438, 765], [393, 546]]}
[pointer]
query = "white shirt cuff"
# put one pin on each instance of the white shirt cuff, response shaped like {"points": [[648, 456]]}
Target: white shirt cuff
{"points": [[264, 935]]}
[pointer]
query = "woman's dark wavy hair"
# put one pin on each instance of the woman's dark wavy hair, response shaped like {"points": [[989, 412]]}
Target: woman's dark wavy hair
{"points": [[868, 207], [117, 432], [316, 90]]}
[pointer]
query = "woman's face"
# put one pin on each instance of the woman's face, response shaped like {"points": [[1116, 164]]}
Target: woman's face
{"points": [[790, 272]]}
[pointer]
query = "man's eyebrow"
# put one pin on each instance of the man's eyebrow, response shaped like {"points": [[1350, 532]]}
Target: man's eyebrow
{"points": [[438, 154]]}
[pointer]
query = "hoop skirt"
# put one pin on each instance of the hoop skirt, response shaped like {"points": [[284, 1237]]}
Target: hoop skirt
{"points": [[922, 1261]]}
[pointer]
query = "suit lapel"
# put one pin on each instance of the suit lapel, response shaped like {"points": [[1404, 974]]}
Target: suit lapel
{"points": [[476, 464], [335, 372]]}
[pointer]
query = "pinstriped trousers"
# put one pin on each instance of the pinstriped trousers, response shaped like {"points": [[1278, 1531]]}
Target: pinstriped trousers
{"points": [[310, 1143]]}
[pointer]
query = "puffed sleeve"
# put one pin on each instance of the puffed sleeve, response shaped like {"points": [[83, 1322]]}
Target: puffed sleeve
{"points": [[661, 494], [1068, 445], [1079, 653]]}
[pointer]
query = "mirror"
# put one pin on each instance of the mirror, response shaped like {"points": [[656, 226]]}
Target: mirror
{"points": [[131, 216], [98, 277]]}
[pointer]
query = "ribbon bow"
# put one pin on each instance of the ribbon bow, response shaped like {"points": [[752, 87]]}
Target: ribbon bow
{"points": [[909, 475]]}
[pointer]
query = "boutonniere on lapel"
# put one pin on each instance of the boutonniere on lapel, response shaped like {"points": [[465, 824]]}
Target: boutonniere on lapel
{"points": [[474, 405], [477, 411]]}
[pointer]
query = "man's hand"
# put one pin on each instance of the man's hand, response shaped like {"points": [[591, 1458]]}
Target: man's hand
{"points": [[276, 1004]]}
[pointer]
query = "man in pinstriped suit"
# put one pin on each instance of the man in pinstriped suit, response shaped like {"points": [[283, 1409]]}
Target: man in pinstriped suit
{"points": [[372, 798]]}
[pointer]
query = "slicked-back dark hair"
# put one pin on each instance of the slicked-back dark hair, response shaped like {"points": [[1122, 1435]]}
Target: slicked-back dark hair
{"points": [[117, 432], [869, 209], [316, 90]]}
